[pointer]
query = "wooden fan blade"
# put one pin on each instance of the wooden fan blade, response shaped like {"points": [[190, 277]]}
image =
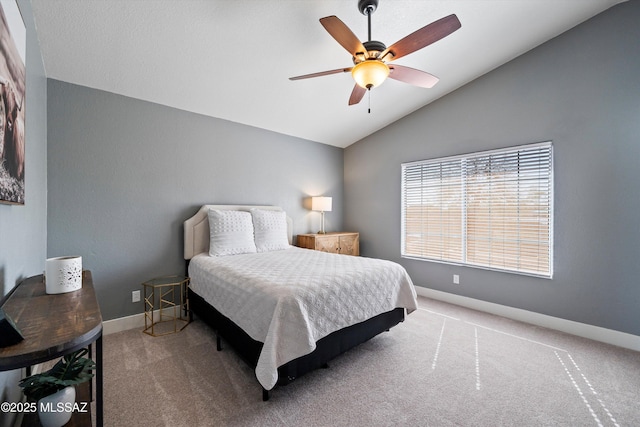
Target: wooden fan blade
{"points": [[343, 35], [356, 94], [423, 37], [321, 73], [412, 76]]}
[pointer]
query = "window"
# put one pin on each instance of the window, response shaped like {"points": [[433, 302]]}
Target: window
{"points": [[491, 209]]}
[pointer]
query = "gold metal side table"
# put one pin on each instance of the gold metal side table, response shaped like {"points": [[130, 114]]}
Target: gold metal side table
{"points": [[164, 311]]}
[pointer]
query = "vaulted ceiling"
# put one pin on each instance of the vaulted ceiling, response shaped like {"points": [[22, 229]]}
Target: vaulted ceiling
{"points": [[231, 59]]}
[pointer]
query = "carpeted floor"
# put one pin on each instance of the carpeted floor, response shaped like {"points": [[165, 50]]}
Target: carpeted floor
{"points": [[444, 366]]}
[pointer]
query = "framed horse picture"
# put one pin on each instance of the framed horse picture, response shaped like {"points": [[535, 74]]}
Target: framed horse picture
{"points": [[12, 96]]}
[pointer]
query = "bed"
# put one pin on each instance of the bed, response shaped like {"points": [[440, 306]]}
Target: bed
{"points": [[285, 310]]}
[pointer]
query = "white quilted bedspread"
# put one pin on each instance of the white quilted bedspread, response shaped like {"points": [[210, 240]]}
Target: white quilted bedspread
{"points": [[290, 299]]}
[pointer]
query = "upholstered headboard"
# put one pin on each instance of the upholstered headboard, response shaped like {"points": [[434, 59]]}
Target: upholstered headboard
{"points": [[196, 228]]}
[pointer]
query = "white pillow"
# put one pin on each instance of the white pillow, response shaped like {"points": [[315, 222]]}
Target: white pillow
{"points": [[270, 230], [231, 233]]}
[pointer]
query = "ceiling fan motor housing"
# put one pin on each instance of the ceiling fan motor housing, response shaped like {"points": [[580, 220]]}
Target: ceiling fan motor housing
{"points": [[374, 49]]}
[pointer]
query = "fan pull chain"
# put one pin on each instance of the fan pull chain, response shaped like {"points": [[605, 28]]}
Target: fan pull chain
{"points": [[369, 90]]}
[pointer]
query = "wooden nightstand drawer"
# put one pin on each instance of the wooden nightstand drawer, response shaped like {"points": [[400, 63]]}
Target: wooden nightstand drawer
{"points": [[337, 242]]}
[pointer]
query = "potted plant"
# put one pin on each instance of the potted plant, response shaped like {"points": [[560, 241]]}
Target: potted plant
{"points": [[57, 385]]}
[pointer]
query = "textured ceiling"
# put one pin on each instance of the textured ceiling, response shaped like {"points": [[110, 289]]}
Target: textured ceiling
{"points": [[231, 59]]}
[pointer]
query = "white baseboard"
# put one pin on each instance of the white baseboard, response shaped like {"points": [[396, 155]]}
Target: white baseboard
{"points": [[608, 336], [123, 324], [135, 321]]}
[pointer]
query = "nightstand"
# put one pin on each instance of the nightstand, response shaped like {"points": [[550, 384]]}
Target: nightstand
{"points": [[166, 305], [337, 242]]}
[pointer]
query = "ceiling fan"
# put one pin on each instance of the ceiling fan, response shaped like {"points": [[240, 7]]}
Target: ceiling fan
{"points": [[371, 58]]}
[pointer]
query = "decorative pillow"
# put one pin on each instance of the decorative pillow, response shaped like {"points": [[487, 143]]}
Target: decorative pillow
{"points": [[270, 230], [231, 233]]}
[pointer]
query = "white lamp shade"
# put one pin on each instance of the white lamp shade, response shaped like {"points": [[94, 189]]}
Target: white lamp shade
{"points": [[63, 274], [322, 204]]}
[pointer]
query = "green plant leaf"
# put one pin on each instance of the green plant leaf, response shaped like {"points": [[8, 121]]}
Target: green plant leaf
{"points": [[71, 369]]}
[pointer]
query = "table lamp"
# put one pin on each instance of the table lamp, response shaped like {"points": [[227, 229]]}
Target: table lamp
{"points": [[322, 204]]}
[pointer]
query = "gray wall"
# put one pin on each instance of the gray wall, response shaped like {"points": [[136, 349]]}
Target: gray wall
{"points": [[23, 229], [124, 174], [582, 91]]}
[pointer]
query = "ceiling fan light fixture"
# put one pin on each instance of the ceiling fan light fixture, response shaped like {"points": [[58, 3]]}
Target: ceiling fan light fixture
{"points": [[370, 58], [370, 73]]}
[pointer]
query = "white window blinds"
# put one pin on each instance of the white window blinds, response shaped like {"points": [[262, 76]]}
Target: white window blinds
{"points": [[491, 209]]}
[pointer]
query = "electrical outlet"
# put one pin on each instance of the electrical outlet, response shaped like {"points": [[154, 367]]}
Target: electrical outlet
{"points": [[135, 296], [456, 279]]}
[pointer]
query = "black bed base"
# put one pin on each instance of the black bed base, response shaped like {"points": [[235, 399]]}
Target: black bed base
{"points": [[327, 348]]}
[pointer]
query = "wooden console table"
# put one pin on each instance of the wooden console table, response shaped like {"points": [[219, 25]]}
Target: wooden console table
{"points": [[55, 325]]}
